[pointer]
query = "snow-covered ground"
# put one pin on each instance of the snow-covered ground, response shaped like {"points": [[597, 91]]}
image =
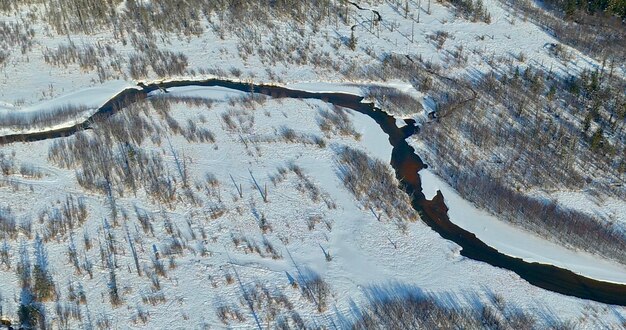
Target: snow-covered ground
{"points": [[213, 93], [502, 40], [501, 235], [365, 252], [44, 116], [517, 242], [609, 208]]}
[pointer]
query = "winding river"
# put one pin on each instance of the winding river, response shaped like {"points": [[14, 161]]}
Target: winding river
{"points": [[406, 165]]}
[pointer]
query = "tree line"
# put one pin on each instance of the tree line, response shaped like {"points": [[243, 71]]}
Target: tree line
{"points": [[570, 7]]}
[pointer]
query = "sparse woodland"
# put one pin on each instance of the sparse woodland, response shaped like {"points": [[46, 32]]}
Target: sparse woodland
{"points": [[398, 306], [179, 201], [521, 129], [159, 208], [128, 240], [571, 136], [594, 27]]}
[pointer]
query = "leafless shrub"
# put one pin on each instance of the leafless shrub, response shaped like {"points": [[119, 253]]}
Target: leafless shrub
{"points": [[7, 164], [228, 314], [439, 38], [247, 245], [8, 223], [141, 316], [394, 101], [269, 304], [238, 120], [137, 67], [145, 219], [306, 186], [230, 279], [66, 312], [337, 122], [395, 307], [271, 250], [58, 221], [313, 220], [22, 121], [264, 225], [163, 63], [103, 322], [153, 298], [292, 320], [5, 255], [372, 183], [3, 57], [193, 133], [76, 295], [88, 57], [280, 176], [317, 291], [288, 134], [423, 312], [235, 72], [291, 136], [30, 171]]}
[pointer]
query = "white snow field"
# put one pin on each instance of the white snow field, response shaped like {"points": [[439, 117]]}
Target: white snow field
{"points": [[503, 236], [61, 112], [513, 241], [505, 38], [218, 240], [517, 242], [214, 264]]}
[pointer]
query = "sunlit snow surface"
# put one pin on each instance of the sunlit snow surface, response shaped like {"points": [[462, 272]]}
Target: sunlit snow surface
{"points": [[363, 255], [517, 242], [86, 101], [361, 246]]}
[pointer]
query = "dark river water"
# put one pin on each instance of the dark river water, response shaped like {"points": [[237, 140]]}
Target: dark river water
{"points": [[406, 165]]}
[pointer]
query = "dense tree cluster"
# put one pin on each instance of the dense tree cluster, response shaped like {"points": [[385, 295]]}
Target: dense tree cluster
{"points": [[613, 7], [472, 9]]}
